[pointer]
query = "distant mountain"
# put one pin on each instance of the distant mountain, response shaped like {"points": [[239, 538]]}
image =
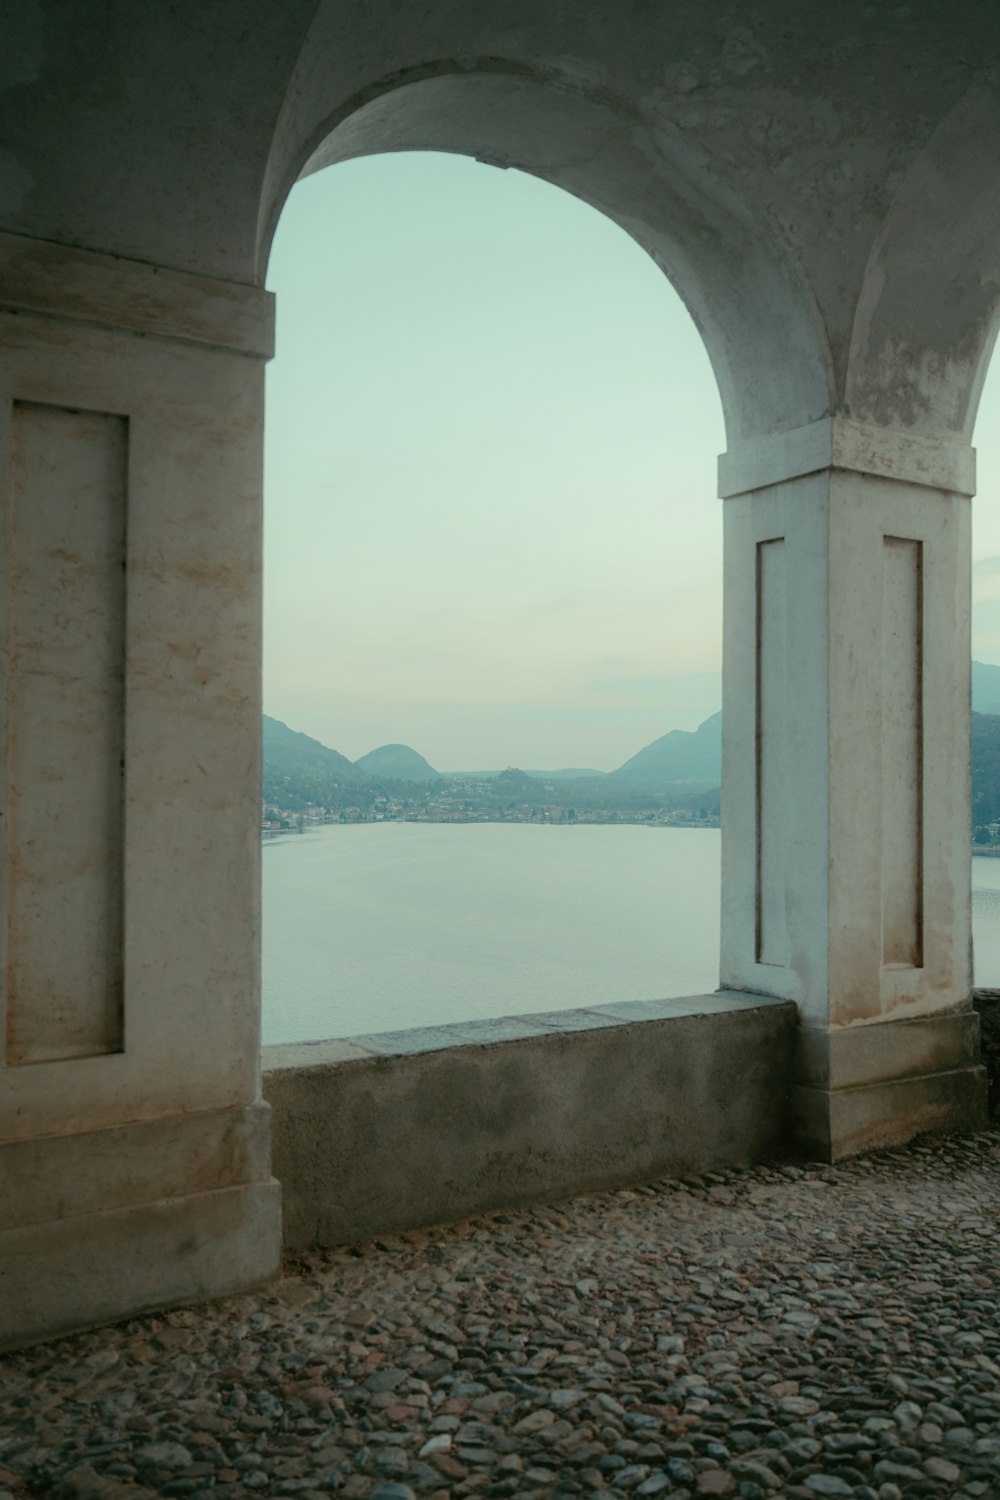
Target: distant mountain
{"points": [[681, 755], [299, 770], [295, 751], [515, 780], [684, 756], [985, 769], [398, 763]]}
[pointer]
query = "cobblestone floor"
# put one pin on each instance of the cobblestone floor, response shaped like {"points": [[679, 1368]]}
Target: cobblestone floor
{"points": [[782, 1331]]}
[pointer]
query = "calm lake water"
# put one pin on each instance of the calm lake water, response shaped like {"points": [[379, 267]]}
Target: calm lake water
{"points": [[378, 926]]}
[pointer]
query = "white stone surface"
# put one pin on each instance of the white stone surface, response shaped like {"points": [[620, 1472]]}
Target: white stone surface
{"points": [[65, 654], [873, 820], [191, 719], [67, 282], [130, 900], [940, 461]]}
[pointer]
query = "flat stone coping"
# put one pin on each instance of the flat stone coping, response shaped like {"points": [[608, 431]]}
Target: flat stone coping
{"points": [[505, 1029]]}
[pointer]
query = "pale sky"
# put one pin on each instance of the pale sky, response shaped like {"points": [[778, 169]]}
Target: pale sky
{"points": [[491, 524]]}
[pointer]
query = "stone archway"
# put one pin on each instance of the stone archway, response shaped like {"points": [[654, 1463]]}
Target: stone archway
{"points": [[857, 925], [739, 289], [817, 183]]}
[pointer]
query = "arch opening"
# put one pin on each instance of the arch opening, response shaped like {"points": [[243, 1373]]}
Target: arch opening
{"points": [[758, 321], [548, 524]]}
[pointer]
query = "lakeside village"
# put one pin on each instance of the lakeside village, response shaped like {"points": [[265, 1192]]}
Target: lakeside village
{"points": [[305, 783], [474, 804], [477, 801], [278, 820]]}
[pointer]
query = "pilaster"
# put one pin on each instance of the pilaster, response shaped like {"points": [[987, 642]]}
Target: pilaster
{"points": [[130, 437], [846, 883]]}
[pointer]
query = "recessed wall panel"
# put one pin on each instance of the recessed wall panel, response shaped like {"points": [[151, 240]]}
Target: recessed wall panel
{"points": [[772, 739], [65, 626], [902, 753]]}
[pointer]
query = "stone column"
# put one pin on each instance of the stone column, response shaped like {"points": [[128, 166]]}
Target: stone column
{"points": [[134, 1149], [846, 801]]}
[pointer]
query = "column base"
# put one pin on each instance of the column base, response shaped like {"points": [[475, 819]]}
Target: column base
{"points": [[112, 1223], [865, 1087]]}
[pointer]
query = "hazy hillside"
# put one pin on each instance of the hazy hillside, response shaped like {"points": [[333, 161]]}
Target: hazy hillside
{"points": [[679, 769], [985, 688], [985, 769], [681, 755], [517, 783], [398, 762], [299, 770], [697, 756]]}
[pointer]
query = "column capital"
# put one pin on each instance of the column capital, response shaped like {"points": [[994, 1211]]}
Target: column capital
{"points": [[87, 286], [936, 462]]}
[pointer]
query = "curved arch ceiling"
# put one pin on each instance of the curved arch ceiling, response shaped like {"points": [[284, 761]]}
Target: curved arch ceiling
{"points": [[742, 297]]}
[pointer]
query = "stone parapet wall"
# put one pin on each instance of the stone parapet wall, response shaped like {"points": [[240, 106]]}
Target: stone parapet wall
{"points": [[409, 1129]]}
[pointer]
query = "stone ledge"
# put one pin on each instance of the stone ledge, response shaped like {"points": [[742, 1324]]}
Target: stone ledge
{"points": [[486, 1033], [941, 463], [94, 1268], [87, 286], [832, 1124], [852, 1056], [58, 1177]]}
